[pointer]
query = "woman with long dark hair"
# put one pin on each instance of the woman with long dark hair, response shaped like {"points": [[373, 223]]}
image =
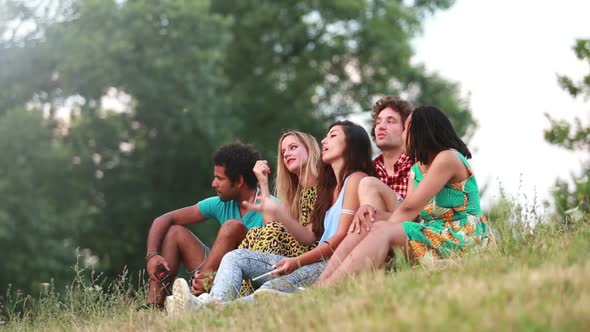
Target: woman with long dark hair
{"points": [[442, 189]]}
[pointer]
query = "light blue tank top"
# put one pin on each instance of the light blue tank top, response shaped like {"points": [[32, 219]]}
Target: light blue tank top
{"points": [[332, 216]]}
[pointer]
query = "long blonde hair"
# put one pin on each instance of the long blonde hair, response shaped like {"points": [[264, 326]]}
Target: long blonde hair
{"points": [[287, 186]]}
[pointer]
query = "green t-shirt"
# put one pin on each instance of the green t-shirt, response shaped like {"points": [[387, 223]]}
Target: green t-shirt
{"points": [[214, 208]]}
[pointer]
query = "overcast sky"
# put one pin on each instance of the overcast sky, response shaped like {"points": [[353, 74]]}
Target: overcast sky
{"points": [[506, 55]]}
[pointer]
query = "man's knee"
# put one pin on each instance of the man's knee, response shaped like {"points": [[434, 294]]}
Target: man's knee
{"points": [[175, 232], [233, 228]]}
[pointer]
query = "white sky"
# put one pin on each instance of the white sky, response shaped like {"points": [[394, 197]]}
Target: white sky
{"points": [[506, 55]]}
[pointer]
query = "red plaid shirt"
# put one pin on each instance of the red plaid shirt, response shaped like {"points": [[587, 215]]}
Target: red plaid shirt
{"points": [[401, 171]]}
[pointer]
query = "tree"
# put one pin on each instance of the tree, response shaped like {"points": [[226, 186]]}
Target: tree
{"points": [[573, 136], [300, 64], [165, 56], [38, 213], [155, 155]]}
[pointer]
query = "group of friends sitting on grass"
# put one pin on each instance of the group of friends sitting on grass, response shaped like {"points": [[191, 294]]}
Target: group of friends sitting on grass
{"points": [[335, 212]]}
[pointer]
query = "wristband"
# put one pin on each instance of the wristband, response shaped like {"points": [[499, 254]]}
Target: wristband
{"points": [[347, 211], [151, 254], [329, 245]]}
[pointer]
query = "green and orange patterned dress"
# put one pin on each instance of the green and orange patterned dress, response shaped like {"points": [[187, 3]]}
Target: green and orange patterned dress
{"points": [[273, 238], [453, 221]]}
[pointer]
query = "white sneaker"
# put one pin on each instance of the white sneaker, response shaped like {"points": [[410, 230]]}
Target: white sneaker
{"points": [[181, 298], [204, 299], [183, 301], [169, 306]]}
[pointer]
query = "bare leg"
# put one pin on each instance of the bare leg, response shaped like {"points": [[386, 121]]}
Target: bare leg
{"points": [[374, 192], [371, 252], [371, 191], [230, 235], [344, 249], [179, 243]]}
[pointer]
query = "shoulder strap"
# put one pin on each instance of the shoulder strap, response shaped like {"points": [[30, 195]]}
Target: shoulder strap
{"points": [[417, 172], [464, 160]]}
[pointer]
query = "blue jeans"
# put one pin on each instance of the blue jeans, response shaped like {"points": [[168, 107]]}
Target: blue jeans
{"points": [[242, 264]]}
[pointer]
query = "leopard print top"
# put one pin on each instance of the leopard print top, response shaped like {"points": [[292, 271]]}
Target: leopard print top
{"points": [[274, 238]]}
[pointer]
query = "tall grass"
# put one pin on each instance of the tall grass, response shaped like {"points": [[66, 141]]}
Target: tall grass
{"points": [[87, 301], [536, 278]]}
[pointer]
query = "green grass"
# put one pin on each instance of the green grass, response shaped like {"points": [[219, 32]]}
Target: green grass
{"points": [[530, 282]]}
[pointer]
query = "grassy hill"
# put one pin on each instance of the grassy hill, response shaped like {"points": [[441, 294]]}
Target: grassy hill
{"points": [[532, 281]]}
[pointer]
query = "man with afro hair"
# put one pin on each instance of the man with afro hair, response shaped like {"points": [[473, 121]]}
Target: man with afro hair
{"points": [[170, 242]]}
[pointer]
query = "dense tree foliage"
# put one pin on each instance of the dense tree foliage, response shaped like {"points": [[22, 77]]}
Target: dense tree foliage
{"points": [[292, 64], [38, 210]]}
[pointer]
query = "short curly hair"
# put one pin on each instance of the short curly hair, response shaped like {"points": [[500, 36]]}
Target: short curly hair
{"points": [[402, 107], [238, 159]]}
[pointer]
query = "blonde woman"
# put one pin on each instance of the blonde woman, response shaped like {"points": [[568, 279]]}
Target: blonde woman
{"points": [[295, 186]]}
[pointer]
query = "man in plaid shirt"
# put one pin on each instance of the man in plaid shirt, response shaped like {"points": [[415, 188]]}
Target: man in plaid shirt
{"points": [[380, 196]]}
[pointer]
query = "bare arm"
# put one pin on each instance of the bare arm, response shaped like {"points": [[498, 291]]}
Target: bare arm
{"points": [[160, 226], [350, 202], [275, 211], [409, 193], [184, 216], [262, 170], [303, 234], [445, 166]]}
